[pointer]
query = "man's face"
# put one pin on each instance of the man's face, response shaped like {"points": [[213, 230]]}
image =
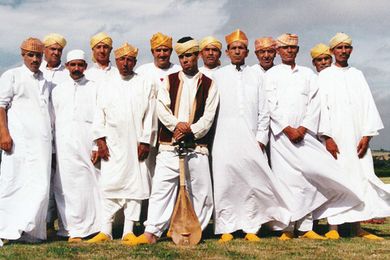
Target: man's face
{"points": [[210, 55], [321, 62], [342, 52], [76, 68], [189, 62], [101, 53], [237, 52], [266, 57], [162, 55], [32, 60], [126, 64], [53, 54], [288, 53]]}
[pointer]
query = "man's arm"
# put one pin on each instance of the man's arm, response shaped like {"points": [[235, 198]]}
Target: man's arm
{"points": [[311, 118], [165, 114], [99, 131], [5, 137], [6, 94]]}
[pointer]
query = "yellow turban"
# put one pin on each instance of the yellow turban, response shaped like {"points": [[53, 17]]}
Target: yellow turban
{"points": [[264, 43], [287, 39], [339, 38], [319, 49], [32, 44], [160, 39], [190, 46], [235, 36], [54, 38], [101, 37], [210, 40], [126, 49]]}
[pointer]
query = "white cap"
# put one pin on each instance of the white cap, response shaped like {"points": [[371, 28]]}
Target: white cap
{"points": [[75, 55]]}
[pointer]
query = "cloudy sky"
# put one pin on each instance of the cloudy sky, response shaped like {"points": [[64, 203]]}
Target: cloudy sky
{"points": [[135, 21]]}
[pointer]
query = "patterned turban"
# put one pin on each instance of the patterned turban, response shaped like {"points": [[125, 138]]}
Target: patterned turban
{"points": [[287, 39], [319, 49], [32, 44], [264, 43], [160, 39], [210, 40], [126, 49], [235, 36], [340, 38], [54, 38], [101, 37]]}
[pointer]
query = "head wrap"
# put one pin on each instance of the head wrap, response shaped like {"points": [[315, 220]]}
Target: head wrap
{"points": [[210, 40], [340, 38], [235, 36], [75, 55], [160, 39], [287, 39], [54, 38], [319, 49], [264, 43], [126, 49], [32, 44], [101, 37], [190, 46]]}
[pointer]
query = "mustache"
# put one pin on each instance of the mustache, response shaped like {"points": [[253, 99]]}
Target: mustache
{"points": [[76, 73]]}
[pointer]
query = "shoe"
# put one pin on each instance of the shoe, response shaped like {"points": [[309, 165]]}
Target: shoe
{"points": [[101, 237], [129, 236], [226, 238], [367, 235], [286, 236], [75, 239], [252, 237], [132, 240], [312, 235], [169, 233], [332, 234]]}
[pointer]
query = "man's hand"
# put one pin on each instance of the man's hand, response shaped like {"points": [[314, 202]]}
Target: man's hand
{"points": [[94, 157], [363, 146], [103, 149], [5, 141], [293, 134], [177, 135], [302, 131], [331, 146], [262, 146], [183, 127], [143, 151]]}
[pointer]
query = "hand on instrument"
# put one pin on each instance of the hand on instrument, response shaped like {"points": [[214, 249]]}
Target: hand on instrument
{"points": [[184, 127], [178, 135], [103, 149], [363, 146], [143, 151], [331, 146]]}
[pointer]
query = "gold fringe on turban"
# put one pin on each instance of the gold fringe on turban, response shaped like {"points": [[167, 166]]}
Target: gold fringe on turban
{"points": [[287, 39], [264, 43], [210, 40], [340, 38], [319, 49], [190, 46], [160, 39], [235, 36], [32, 44], [126, 50], [101, 37], [54, 38]]}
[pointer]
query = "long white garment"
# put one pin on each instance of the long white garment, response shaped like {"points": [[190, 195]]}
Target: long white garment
{"points": [[348, 113], [25, 171], [124, 118], [246, 193], [76, 180], [208, 72], [307, 168], [98, 74]]}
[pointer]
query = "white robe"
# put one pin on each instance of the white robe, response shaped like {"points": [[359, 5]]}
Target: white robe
{"points": [[208, 72], [124, 118], [98, 74], [76, 180], [307, 168], [348, 113], [25, 171], [246, 193]]}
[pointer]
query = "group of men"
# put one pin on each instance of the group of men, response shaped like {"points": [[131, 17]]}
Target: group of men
{"points": [[288, 146]]}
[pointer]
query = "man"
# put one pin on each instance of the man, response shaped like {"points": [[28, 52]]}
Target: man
{"points": [[54, 72], [101, 45], [321, 56], [265, 50], [297, 157], [76, 181], [210, 51], [26, 141], [349, 119], [122, 130], [246, 193], [186, 107]]}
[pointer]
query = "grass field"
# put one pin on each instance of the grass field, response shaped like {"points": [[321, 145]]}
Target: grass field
{"points": [[268, 248]]}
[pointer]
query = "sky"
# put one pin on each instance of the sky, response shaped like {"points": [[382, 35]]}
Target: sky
{"points": [[367, 22]]}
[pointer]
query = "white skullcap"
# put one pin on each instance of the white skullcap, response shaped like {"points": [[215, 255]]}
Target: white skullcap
{"points": [[75, 55]]}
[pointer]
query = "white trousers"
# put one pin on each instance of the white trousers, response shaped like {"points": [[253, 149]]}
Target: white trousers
{"points": [[165, 186]]}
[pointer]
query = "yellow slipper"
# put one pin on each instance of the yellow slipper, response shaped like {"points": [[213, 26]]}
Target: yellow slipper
{"points": [[252, 237], [101, 237], [75, 239], [332, 234], [130, 240], [312, 235], [129, 236], [226, 238], [367, 235], [286, 236]]}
